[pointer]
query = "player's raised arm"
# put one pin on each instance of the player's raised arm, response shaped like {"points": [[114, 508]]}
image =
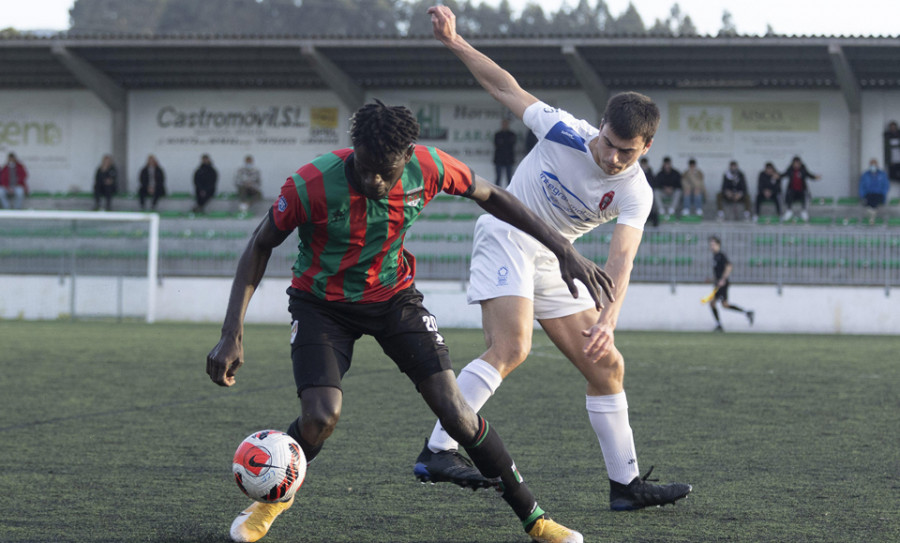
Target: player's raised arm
{"points": [[506, 207], [497, 81]]}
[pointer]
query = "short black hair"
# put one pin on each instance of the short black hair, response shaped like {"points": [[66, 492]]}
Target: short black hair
{"points": [[383, 130], [716, 239], [631, 115]]}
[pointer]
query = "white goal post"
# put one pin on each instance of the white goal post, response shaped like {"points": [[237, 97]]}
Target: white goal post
{"points": [[36, 243]]}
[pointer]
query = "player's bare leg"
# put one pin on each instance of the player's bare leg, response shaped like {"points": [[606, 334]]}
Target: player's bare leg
{"points": [[607, 409], [508, 328]]}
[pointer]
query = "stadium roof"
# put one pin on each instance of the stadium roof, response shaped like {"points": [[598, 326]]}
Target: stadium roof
{"points": [[360, 64]]}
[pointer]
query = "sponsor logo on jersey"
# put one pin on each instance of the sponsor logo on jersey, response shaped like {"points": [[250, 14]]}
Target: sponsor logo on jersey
{"points": [[282, 203], [563, 199], [564, 134], [502, 276], [606, 200]]}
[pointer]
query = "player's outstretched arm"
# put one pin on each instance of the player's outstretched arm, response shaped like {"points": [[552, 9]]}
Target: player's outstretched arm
{"points": [[497, 81], [622, 250], [228, 355], [573, 266]]}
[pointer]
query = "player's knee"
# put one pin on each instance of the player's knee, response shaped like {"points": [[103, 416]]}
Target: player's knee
{"points": [[613, 365], [507, 355], [319, 424]]}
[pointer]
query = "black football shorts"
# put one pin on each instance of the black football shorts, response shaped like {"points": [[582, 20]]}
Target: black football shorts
{"points": [[323, 334]]}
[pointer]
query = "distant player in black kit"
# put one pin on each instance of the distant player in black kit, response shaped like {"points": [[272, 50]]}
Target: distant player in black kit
{"points": [[722, 268]]}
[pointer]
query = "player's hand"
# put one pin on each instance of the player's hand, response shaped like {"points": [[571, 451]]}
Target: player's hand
{"points": [[601, 339], [443, 23], [574, 266], [224, 360]]}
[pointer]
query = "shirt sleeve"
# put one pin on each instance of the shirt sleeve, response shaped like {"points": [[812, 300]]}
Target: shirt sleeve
{"points": [[287, 211], [458, 177], [636, 206], [541, 118]]}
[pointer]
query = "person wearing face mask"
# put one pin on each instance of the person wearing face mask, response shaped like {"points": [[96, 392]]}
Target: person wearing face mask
{"points": [[873, 189]]}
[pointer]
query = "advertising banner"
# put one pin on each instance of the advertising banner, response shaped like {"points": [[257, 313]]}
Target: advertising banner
{"points": [[282, 130]]}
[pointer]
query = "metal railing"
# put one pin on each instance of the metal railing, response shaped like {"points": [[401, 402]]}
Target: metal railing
{"points": [[775, 254]]}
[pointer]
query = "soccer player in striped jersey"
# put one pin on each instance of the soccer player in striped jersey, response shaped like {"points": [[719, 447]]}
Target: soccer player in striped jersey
{"points": [[575, 178], [351, 209]]}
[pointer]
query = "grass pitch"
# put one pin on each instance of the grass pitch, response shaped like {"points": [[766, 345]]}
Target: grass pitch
{"points": [[113, 432]]}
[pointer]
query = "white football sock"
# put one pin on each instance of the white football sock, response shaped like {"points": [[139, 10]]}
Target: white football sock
{"points": [[478, 381], [609, 418]]}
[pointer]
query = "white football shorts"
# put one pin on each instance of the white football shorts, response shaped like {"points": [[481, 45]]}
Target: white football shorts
{"points": [[509, 262]]}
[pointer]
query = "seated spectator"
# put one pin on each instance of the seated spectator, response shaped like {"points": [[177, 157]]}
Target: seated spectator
{"points": [[797, 188], [734, 191], [152, 183], [768, 188], [653, 218], [694, 189], [667, 185], [105, 183], [249, 184], [13, 183], [205, 178], [873, 189]]}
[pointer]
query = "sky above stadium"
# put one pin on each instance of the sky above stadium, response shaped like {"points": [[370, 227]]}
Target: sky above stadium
{"points": [[793, 17]]}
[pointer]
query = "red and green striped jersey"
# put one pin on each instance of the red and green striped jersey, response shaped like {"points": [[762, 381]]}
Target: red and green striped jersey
{"points": [[351, 247]]}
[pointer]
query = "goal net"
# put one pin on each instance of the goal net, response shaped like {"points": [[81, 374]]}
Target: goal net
{"points": [[78, 264]]}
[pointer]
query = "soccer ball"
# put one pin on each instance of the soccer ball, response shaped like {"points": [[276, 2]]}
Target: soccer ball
{"points": [[269, 466]]}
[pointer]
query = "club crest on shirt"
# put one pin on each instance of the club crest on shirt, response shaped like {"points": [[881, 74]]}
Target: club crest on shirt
{"points": [[413, 198], [282, 203], [502, 276], [606, 200]]}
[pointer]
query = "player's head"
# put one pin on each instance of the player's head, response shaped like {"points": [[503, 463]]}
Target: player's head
{"points": [[632, 115], [383, 142], [715, 244], [626, 131]]}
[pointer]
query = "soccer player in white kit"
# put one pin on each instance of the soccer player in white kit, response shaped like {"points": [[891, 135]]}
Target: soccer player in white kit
{"points": [[575, 178]]}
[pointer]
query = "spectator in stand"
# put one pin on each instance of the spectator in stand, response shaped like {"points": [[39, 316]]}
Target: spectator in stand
{"points": [[13, 183], [504, 153], [694, 188], [653, 218], [249, 184], [892, 151], [734, 191], [873, 189], [768, 188], [667, 185], [152, 183], [797, 188], [105, 183], [205, 178]]}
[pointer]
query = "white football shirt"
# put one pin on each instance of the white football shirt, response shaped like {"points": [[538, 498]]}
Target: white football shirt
{"points": [[560, 181]]}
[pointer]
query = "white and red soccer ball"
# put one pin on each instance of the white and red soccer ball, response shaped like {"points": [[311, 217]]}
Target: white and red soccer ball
{"points": [[269, 466]]}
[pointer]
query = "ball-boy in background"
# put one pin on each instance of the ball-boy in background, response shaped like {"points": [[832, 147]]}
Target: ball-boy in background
{"points": [[722, 268], [575, 178], [352, 276]]}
